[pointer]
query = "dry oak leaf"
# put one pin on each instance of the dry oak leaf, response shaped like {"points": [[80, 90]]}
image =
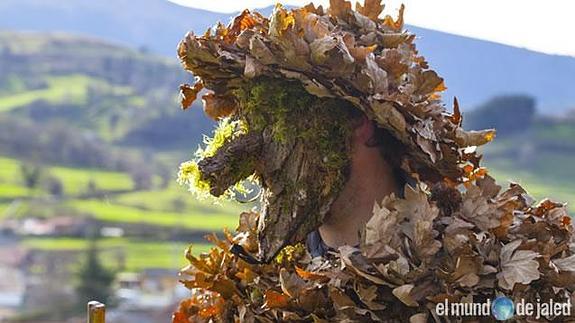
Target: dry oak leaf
{"points": [[368, 295], [291, 284], [274, 299], [517, 266], [418, 318], [395, 25], [380, 230], [371, 8], [189, 93], [402, 293], [217, 107], [310, 275], [339, 8], [353, 259], [478, 210], [415, 207], [473, 138], [565, 264]]}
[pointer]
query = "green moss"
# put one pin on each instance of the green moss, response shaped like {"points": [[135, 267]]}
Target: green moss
{"points": [[290, 113], [226, 130], [270, 102], [189, 173], [289, 254]]}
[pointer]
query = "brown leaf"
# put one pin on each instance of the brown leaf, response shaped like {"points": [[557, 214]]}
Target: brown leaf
{"points": [[280, 21], [189, 93], [418, 318], [310, 275], [545, 206], [368, 295], [340, 299], [253, 68], [565, 264], [489, 187], [248, 222], [273, 299], [371, 8], [360, 53], [474, 138], [391, 61], [429, 82], [377, 76], [456, 116], [290, 283], [395, 25], [315, 27], [246, 276], [379, 231], [310, 7], [217, 107], [517, 266], [402, 293], [320, 46], [244, 21], [478, 210], [261, 51], [353, 259], [420, 214], [386, 113], [339, 8]]}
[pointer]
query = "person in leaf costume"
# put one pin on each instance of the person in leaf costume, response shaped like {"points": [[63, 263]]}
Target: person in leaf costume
{"points": [[303, 99]]}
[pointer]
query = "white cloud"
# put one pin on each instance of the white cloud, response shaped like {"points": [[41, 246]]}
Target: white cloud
{"points": [[545, 26]]}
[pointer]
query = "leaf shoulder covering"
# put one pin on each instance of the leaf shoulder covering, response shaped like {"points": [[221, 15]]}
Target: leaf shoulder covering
{"points": [[452, 243]]}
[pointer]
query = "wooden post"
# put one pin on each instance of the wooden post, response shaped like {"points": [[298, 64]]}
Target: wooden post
{"points": [[96, 312]]}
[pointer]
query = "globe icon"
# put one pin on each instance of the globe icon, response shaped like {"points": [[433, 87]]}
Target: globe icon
{"points": [[502, 308]]}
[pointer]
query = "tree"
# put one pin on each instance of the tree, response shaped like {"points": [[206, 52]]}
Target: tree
{"points": [[55, 186], [91, 187], [507, 114], [142, 179], [31, 173], [94, 280]]}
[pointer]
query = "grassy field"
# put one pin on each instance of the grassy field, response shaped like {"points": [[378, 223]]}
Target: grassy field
{"points": [[75, 180], [12, 191], [173, 198], [171, 207], [68, 89], [139, 254], [200, 219], [65, 89]]}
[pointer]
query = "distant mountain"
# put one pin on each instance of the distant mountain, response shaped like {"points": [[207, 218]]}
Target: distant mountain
{"points": [[474, 70]]}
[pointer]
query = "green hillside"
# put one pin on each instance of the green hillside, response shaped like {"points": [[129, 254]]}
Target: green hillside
{"points": [[93, 85], [92, 131], [17, 201]]}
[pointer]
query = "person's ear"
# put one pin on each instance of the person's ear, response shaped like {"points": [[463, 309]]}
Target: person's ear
{"points": [[364, 131]]}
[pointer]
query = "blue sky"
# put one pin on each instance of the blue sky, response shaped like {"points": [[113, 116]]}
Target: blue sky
{"points": [[545, 26]]}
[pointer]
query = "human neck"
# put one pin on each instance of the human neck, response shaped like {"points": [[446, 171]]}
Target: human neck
{"points": [[370, 180]]}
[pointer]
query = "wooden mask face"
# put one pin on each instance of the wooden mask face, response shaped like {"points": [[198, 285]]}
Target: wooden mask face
{"points": [[298, 147]]}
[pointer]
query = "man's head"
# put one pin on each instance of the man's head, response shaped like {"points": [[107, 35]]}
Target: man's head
{"points": [[293, 128]]}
